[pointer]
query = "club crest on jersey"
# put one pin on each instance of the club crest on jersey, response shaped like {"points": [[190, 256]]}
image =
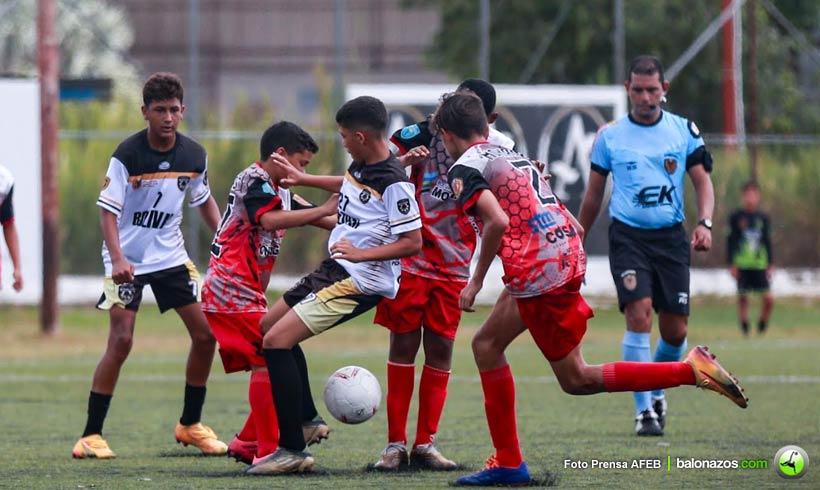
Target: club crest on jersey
{"points": [[670, 164], [182, 182], [106, 182], [364, 196], [164, 165], [458, 187], [403, 205], [630, 279], [126, 293]]}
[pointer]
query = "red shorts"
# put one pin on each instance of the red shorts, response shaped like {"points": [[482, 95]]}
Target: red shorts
{"points": [[556, 320], [422, 301], [240, 339]]}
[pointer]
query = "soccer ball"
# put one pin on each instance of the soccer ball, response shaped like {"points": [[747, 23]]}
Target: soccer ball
{"points": [[352, 395]]}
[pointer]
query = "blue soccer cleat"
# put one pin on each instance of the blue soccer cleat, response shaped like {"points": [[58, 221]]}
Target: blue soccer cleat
{"points": [[494, 475]]}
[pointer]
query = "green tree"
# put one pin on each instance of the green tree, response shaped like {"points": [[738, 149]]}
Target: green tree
{"points": [[581, 52], [94, 39]]}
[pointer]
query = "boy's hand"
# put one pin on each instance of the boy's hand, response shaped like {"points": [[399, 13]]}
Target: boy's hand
{"points": [[416, 155], [468, 294], [343, 249], [18, 280], [122, 272], [292, 176], [331, 205]]}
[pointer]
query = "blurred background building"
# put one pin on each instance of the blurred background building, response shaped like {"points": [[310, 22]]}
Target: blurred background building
{"points": [[281, 50]]}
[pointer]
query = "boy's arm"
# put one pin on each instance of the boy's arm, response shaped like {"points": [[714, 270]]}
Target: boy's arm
{"points": [[495, 224], [209, 211], [705, 194], [121, 270], [326, 223], [13, 243], [280, 219], [293, 177], [593, 199], [409, 243]]}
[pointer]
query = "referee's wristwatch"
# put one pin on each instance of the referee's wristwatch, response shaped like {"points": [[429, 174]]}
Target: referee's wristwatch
{"points": [[706, 223]]}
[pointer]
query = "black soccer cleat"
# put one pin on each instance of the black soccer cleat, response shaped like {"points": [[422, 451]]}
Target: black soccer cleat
{"points": [[647, 424]]}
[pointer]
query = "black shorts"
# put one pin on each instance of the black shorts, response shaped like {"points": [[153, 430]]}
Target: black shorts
{"points": [[327, 297], [650, 263], [173, 288], [750, 280]]}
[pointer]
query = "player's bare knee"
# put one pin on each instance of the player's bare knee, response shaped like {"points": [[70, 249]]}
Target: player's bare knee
{"points": [[203, 338], [438, 351], [639, 316], [119, 346], [482, 346], [276, 339]]}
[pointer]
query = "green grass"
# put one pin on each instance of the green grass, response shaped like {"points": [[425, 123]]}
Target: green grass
{"points": [[45, 382]]}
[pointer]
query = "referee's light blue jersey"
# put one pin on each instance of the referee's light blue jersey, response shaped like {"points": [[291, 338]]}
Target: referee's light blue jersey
{"points": [[648, 163]]}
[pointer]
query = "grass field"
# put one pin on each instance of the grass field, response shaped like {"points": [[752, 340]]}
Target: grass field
{"points": [[44, 385]]}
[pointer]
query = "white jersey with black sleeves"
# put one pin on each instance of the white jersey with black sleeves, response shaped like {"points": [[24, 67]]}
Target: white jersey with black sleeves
{"points": [[377, 203], [145, 189]]}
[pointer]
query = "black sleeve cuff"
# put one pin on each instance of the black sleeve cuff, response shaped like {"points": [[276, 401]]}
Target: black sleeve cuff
{"points": [[700, 157], [599, 169]]}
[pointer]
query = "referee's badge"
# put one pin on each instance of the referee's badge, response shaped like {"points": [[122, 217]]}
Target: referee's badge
{"points": [[670, 164], [126, 293], [630, 279]]}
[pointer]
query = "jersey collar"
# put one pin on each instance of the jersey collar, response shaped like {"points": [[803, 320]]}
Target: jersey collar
{"points": [[634, 121]]}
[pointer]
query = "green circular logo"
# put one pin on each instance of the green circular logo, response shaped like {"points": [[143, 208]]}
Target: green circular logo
{"points": [[791, 462]]}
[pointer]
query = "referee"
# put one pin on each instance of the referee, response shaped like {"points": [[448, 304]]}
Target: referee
{"points": [[648, 151]]}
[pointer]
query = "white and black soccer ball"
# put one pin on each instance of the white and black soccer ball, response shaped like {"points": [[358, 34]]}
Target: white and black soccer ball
{"points": [[352, 395]]}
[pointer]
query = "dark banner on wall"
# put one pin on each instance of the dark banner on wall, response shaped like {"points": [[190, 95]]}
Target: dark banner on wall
{"points": [[554, 124]]}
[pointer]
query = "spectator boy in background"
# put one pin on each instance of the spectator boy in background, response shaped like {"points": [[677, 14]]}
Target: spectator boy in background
{"points": [[750, 257]]}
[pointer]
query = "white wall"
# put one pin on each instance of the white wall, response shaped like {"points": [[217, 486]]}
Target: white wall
{"points": [[20, 153]]}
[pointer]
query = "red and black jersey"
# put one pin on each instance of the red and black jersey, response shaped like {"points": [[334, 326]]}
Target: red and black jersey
{"points": [[448, 243], [243, 253], [541, 249]]}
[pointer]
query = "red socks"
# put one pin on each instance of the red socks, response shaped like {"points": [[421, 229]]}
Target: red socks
{"points": [[263, 413], [432, 394], [400, 381], [499, 405], [248, 432], [645, 376]]}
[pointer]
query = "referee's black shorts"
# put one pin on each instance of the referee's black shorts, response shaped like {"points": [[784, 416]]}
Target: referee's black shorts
{"points": [[650, 264]]}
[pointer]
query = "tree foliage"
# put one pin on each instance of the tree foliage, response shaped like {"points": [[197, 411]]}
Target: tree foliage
{"points": [[582, 51], [94, 38]]}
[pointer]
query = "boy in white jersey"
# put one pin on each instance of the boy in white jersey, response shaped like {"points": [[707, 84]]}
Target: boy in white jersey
{"points": [[140, 204], [539, 244], [378, 223]]}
